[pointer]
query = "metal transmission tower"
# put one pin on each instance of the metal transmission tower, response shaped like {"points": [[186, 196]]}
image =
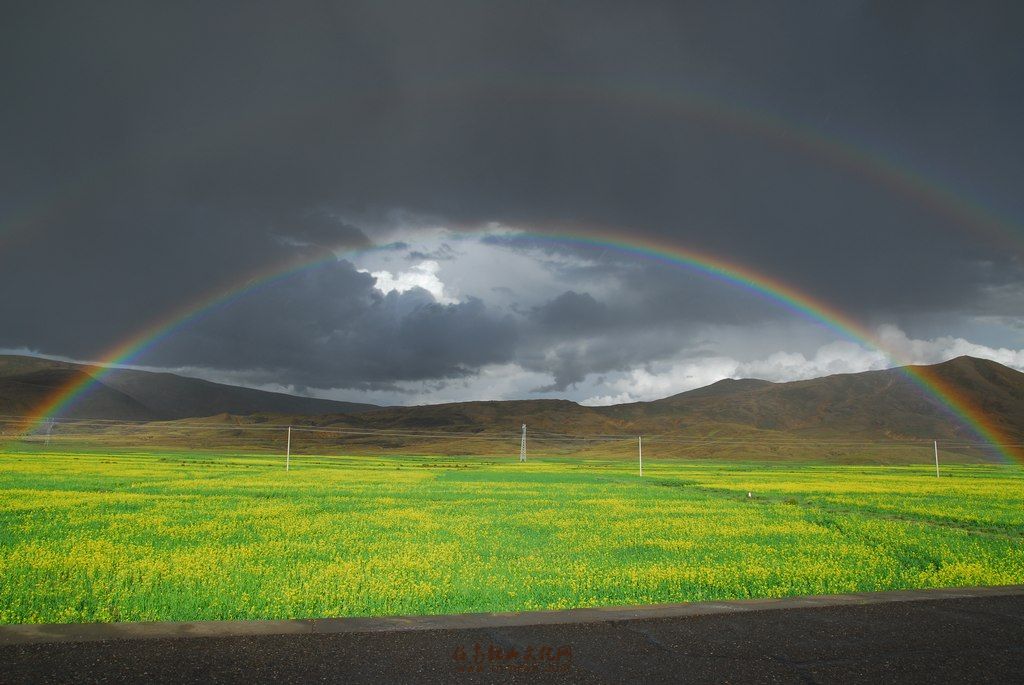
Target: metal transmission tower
{"points": [[522, 446], [49, 431]]}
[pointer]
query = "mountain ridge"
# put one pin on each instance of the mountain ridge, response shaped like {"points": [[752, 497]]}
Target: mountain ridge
{"points": [[26, 383]]}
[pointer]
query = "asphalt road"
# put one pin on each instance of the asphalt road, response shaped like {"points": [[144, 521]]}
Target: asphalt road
{"points": [[975, 639]]}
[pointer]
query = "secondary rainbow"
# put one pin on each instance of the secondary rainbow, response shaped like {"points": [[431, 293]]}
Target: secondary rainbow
{"points": [[732, 273], [840, 152]]}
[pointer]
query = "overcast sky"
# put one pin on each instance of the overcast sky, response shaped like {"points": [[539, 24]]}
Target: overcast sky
{"points": [[870, 154]]}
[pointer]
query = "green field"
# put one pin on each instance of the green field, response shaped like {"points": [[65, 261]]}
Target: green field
{"points": [[131, 537]]}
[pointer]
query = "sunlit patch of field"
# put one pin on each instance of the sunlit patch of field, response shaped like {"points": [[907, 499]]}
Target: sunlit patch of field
{"points": [[164, 536]]}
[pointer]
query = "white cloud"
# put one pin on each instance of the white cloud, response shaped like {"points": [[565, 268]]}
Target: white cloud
{"points": [[492, 382], [661, 380], [944, 347], [422, 275], [507, 277]]}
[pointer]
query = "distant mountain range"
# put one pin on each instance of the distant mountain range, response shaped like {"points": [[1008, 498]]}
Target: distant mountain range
{"points": [[735, 416]]}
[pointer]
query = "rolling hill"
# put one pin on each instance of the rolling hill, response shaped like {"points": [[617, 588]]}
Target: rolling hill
{"points": [[121, 394]]}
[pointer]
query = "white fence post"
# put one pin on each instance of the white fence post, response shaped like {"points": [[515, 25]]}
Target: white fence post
{"points": [[288, 452]]}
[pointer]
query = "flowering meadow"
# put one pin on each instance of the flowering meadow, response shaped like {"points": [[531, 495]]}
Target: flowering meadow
{"points": [[177, 537]]}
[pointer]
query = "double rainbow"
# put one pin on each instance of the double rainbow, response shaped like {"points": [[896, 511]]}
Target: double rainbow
{"points": [[736, 275]]}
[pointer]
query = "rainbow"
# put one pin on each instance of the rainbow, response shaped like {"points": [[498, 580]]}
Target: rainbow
{"points": [[838, 152], [734, 274], [856, 158]]}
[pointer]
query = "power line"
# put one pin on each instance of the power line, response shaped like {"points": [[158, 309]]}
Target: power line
{"points": [[99, 428], [535, 434]]}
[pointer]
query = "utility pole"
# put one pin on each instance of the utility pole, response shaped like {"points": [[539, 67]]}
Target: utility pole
{"points": [[640, 452], [522, 445], [288, 452], [936, 458]]}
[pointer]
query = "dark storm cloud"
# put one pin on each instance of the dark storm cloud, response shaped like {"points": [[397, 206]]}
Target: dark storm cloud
{"points": [[574, 335], [153, 153], [328, 327], [572, 311], [319, 229]]}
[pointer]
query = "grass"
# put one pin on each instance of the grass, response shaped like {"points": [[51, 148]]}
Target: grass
{"points": [[166, 536]]}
